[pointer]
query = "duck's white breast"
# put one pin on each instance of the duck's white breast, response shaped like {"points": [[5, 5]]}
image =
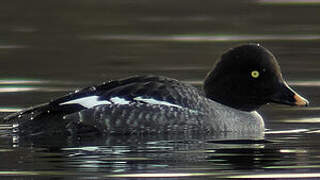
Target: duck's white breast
{"points": [[227, 119]]}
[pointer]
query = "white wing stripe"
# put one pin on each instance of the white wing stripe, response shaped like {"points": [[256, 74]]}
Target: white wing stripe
{"points": [[154, 101], [87, 102], [117, 100], [91, 101]]}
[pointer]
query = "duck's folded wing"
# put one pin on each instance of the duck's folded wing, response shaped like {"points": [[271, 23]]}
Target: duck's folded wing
{"points": [[138, 118], [143, 89], [132, 89]]}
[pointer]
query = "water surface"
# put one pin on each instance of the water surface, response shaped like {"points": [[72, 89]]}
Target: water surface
{"points": [[49, 48]]}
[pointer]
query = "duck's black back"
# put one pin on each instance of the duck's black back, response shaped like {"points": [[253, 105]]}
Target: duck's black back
{"points": [[39, 118]]}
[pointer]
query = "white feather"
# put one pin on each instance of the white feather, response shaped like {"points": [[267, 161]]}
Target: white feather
{"points": [[87, 102], [117, 100], [154, 101]]}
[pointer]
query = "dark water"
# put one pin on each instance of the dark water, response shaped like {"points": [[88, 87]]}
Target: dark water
{"points": [[48, 48]]}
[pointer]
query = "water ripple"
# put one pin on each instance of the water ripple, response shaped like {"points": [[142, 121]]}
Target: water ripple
{"points": [[292, 83], [287, 131], [22, 81], [296, 2], [302, 120], [11, 46], [276, 175], [205, 38], [27, 85], [305, 83], [34, 89], [10, 109]]}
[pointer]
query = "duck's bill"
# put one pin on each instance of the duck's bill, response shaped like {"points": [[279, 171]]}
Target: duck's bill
{"points": [[286, 95]]}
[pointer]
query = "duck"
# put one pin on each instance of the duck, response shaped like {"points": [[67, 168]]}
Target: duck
{"points": [[243, 79]]}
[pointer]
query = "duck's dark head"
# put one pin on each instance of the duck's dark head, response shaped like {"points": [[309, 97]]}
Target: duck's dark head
{"points": [[248, 76]]}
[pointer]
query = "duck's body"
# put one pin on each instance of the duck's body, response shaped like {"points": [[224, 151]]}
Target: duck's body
{"points": [[165, 107], [244, 78], [136, 105]]}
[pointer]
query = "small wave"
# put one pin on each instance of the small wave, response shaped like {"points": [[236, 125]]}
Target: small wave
{"points": [[305, 83], [221, 38], [292, 83], [287, 131], [12, 46], [27, 85], [34, 89], [9, 109], [296, 2], [302, 120], [275, 176]]}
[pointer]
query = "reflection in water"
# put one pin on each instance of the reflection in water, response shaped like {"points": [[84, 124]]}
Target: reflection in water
{"points": [[224, 155], [155, 156]]}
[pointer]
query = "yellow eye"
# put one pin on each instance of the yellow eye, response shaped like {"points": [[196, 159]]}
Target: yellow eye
{"points": [[255, 74]]}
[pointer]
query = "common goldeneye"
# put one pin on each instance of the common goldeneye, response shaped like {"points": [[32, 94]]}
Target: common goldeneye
{"points": [[243, 79]]}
